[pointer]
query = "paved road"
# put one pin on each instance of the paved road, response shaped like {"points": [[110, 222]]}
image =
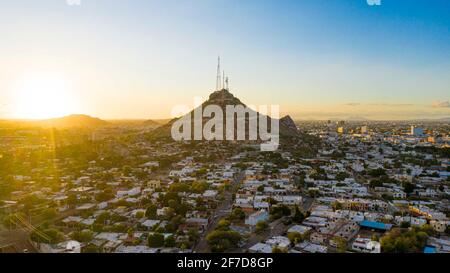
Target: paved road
{"points": [[275, 228], [222, 210], [307, 203]]}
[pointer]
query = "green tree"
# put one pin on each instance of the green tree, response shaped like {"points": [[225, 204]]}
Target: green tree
{"points": [[298, 215], [82, 236], [155, 240], [277, 249], [295, 237], [408, 187], [341, 176], [237, 214], [220, 240], [169, 241], [193, 235], [261, 226], [91, 248], [223, 224], [341, 244], [150, 212]]}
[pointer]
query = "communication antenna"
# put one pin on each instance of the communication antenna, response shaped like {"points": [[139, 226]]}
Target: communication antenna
{"points": [[223, 80], [218, 74]]}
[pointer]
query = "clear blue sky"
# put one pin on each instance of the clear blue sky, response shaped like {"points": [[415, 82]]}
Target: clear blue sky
{"points": [[316, 58]]}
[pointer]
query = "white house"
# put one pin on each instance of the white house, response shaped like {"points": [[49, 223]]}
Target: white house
{"points": [[366, 245]]}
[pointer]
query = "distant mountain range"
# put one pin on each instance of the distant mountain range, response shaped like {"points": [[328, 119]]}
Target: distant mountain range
{"points": [[78, 120], [72, 121]]}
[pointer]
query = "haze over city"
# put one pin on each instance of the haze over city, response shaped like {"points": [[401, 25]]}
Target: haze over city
{"points": [[316, 59]]}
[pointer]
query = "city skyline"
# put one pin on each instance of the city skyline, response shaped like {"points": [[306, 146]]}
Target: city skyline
{"points": [[316, 59]]}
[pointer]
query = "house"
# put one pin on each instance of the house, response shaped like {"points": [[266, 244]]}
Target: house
{"points": [[289, 200], [199, 223], [135, 249], [154, 184], [253, 219], [439, 226], [279, 241], [149, 224], [299, 229], [211, 194], [318, 238], [261, 248], [307, 247], [366, 245]]}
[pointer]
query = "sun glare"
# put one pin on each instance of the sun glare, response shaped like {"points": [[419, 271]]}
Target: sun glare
{"points": [[43, 96]]}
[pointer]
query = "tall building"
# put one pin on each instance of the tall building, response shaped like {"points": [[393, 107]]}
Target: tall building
{"points": [[364, 130], [416, 131]]}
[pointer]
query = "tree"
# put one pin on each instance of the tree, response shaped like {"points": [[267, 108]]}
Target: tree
{"points": [[223, 224], [91, 248], [277, 249], [295, 237], [376, 183], [341, 244], [377, 172], [155, 240], [199, 187], [298, 215], [408, 187], [279, 211], [150, 212], [193, 235], [260, 188], [53, 236], [341, 176], [83, 236], [49, 214], [104, 196], [375, 238], [169, 241], [336, 205], [261, 226], [237, 214], [405, 224], [102, 218], [406, 241], [220, 240], [313, 193]]}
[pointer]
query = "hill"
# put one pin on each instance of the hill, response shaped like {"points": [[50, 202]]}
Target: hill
{"points": [[223, 98], [72, 121]]}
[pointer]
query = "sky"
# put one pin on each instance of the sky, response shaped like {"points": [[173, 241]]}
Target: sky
{"points": [[317, 59]]}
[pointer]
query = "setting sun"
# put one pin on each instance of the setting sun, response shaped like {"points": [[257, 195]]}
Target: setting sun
{"points": [[42, 96]]}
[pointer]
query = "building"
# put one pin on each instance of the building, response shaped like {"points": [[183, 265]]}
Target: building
{"points": [[416, 131], [260, 248], [364, 130], [375, 225], [299, 229], [366, 245], [253, 219]]}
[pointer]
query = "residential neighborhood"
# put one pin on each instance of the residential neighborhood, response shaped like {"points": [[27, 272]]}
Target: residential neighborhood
{"points": [[372, 188]]}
